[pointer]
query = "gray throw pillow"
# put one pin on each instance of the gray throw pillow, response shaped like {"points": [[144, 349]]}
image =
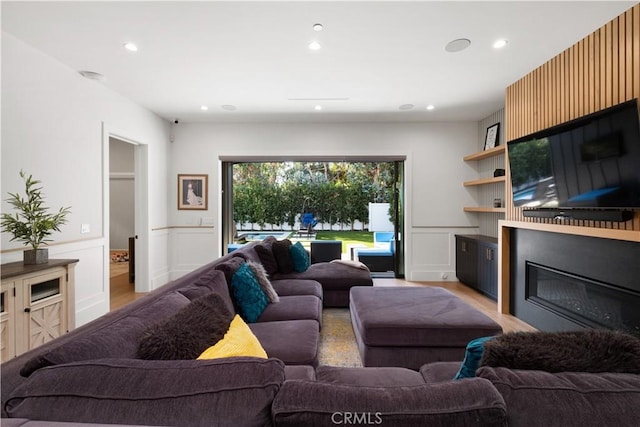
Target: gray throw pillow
{"points": [[263, 279], [573, 351]]}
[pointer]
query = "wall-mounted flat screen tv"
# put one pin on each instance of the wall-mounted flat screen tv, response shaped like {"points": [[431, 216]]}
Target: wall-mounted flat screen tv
{"points": [[589, 162]]}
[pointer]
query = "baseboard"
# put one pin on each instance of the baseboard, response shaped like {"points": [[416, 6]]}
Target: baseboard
{"points": [[433, 276]]}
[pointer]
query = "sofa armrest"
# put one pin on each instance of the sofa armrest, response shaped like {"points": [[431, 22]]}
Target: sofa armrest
{"points": [[233, 391], [466, 402], [23, 422]]}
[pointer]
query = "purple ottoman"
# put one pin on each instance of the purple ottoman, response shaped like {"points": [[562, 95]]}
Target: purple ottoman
{"points": [[411, 326]]}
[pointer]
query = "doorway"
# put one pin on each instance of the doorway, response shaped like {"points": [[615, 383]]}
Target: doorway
{"points": [[122, 212]]}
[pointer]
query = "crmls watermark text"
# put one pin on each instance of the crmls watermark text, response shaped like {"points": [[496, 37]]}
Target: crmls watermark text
{"points": [[357, 418]]}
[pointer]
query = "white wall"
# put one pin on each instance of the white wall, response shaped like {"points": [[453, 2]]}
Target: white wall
{"points": [[54, 123], [435, 171], [52, 127]]}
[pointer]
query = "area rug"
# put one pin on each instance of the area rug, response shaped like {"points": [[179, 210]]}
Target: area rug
{"points": [[119, 256], [337, 342]]}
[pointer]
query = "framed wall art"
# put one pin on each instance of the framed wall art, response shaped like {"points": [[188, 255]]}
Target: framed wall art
{"points": [[192, 192], [491, 140]]}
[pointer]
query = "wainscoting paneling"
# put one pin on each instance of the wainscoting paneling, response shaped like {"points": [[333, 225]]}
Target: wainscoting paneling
{"points": [[198, 246], [91, 279], [159, 268], [431, 253], [599, 71]]}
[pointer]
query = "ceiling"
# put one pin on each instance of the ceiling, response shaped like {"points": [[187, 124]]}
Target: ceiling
{"points": [[375, 56]]}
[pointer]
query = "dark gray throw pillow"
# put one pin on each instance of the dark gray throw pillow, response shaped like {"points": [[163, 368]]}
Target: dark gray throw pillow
{"points": [[189, 332], [264, 250], [573, 351], [283, 256], [265, 253]]}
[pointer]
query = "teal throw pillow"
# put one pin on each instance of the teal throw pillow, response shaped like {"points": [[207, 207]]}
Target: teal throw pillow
{"points": [[248, 294], [472, 357], [300, 257]]}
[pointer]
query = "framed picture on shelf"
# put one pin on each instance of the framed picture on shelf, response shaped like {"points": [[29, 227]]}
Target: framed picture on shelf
{"points": [[192, 192], [491, 140]]}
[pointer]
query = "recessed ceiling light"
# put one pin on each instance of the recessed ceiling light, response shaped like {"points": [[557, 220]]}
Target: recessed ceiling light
{"points": [[131, 47], [406, 107], [499, 44], [457, 45], [204, 107], [314, 45], [318, 107], [92, 75], [229, 107], [430, 107], [317, 27]]}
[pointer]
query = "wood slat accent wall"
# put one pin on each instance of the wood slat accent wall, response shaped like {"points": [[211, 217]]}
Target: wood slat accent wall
{"points": [[599, 71]]}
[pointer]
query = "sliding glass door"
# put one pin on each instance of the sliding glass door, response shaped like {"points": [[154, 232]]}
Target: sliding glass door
{"points": [[394, 184]]}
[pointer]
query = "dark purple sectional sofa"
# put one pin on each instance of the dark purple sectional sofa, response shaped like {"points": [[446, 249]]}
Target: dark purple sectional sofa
{"points": [[92, 375]]}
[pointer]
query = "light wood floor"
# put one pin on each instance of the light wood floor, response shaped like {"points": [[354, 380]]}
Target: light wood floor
{"points": [[122, 293]]}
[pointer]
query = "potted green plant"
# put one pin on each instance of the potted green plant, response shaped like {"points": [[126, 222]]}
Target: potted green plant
{"points": [[32, 223]]}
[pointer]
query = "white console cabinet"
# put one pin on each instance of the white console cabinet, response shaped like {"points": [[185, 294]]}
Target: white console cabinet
{"points": [[37, 304]]}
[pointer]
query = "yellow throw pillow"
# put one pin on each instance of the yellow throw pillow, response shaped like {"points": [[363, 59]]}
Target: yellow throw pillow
{"points": [[238, 341]]}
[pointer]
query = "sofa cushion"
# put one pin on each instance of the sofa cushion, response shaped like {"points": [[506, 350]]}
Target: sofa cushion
{"points": [[237, 341], [152, 392], [332, 276], [230, 266], [283, 255], [295, 307], [118, 338], [247, 252], [212, 281], [437, 372], [299, 372], [472, 402], [289, 287], [187, 333], [537, 398], [299, 257], [247, 294], [219, 285], [263, 280], [588, 350], [295, 342], [369, 377]]}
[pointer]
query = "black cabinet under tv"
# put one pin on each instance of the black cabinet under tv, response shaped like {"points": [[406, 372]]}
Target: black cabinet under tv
{"points": [[477, 263]]}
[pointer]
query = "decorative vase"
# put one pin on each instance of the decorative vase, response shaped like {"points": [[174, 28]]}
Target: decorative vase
{"points": [[36, 256]]}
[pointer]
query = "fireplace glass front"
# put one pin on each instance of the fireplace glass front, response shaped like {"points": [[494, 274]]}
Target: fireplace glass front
{"points": [[587, 302]]}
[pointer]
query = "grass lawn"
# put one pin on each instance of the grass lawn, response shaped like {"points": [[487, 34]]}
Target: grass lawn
{"points": [[347, 237]]}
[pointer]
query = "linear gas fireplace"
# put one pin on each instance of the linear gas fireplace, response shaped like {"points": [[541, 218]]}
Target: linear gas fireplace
{"points": [[562, 282], [590, 303]]}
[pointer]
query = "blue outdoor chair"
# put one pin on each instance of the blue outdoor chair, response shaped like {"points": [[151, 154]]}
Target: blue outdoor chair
{"points": [[307, 222]]}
